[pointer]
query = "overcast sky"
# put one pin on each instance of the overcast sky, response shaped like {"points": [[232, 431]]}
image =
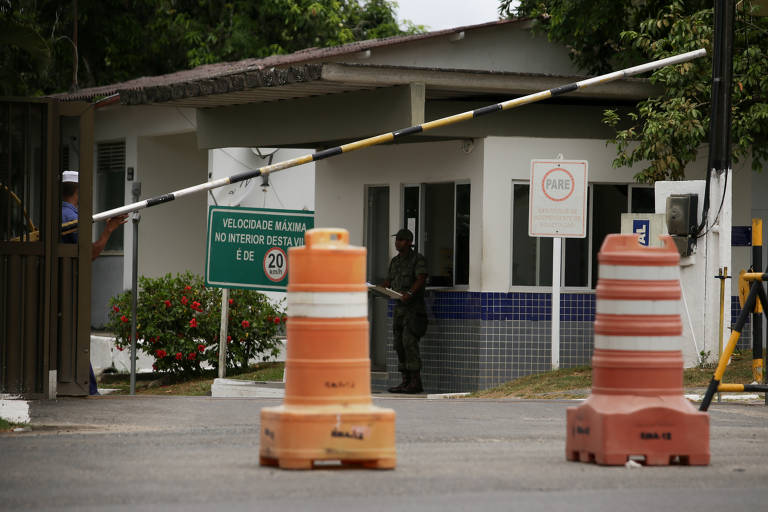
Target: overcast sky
{"points": [[441, 14]]}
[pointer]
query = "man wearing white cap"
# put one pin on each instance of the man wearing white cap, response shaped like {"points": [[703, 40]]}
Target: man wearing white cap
{"points": [[70, 195]]}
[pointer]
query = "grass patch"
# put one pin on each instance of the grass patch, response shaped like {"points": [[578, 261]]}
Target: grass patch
{"points": [[562, 383], [6, 426], [576, 382], [738, 372], [274, 372], [158, 384]]}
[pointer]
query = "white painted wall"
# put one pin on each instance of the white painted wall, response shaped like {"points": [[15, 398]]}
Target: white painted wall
{"points": [[114, 123], [290, 189], [509, 47], [699, 331], [508, 159], [701, 289], [172, 236], [340, 186]]}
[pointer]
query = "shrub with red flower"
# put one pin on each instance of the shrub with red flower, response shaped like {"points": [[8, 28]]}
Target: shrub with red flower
{"points": [[253, 332], [192, 356], [276, 320], [179, 355]]}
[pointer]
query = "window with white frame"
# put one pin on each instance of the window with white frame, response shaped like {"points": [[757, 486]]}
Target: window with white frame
{"points": [[438, 216], [532, 256]]}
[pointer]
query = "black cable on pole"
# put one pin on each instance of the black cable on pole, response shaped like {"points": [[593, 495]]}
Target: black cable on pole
{"points": [[719, 158]]}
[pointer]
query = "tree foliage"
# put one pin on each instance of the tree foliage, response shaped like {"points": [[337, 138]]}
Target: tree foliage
{"points": [[664, 132], [123, 39]]}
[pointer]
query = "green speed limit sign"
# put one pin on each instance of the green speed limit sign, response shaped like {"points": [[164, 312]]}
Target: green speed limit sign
{"points": [[248, 247]]}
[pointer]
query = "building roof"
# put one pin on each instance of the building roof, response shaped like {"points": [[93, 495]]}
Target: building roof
{"points": [[318, 71]]}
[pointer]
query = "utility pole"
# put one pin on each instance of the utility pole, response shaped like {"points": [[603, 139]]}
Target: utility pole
{"points": [[722, 75], [718, 198]]}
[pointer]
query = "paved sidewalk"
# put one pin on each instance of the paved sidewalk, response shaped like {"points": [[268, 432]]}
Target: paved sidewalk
{"points": [[201, 453]]}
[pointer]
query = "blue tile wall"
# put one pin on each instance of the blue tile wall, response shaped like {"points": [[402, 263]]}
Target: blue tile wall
{"points": [[476, 340]]}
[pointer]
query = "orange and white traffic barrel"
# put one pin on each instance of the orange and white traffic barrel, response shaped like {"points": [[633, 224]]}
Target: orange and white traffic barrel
{"points": [[637, 407], [327, 413]]}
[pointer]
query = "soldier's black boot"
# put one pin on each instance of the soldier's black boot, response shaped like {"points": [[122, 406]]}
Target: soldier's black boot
{"points": [[414, 383], [400, 388]]}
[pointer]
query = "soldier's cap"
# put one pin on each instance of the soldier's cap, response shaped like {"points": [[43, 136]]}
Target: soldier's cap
{"points": [[69, 177], [404, 234]]}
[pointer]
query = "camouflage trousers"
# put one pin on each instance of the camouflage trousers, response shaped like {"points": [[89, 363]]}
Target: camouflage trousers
{"points": [[408, 326]]}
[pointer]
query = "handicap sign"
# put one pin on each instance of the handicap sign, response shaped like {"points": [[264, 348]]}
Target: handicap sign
{"points": [[642, 227]]}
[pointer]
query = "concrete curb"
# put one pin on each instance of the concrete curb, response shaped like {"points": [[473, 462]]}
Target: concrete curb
{"points": [[725, 396], [104, 355], [437, 396], [233, 388]]}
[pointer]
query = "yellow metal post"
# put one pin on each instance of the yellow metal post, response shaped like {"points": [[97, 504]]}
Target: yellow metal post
{"points": [[722, 276], [758, 356]]}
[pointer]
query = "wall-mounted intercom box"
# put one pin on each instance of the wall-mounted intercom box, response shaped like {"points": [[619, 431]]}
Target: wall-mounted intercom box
{"points": [[682, 221]]}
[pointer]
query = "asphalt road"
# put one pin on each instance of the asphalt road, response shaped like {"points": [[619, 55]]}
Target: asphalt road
{"points": [[197, 453]]}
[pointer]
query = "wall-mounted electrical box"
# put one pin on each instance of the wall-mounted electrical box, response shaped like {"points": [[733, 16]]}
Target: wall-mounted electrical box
{"points": [[682, 221]]}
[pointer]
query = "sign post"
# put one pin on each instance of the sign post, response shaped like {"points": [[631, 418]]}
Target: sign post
{"points": [[223, 326], [558, 205]]}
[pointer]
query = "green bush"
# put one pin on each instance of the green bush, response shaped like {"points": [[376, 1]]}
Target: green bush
{"points": [[179, 319]]}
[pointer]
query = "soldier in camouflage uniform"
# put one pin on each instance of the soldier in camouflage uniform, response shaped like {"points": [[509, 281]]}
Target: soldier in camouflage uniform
{"points": [[408, 275]]}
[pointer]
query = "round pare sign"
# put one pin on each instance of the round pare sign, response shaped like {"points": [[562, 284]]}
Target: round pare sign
{"points": [[558, 184], [275, 264]]}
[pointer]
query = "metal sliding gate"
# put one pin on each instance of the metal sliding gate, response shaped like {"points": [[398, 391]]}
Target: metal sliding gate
{"points": [[44, 284]]}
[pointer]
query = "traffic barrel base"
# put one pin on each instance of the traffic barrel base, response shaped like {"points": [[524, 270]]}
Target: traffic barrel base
{"points": [[328, 413], [637, 409], [296, 437], [661, 430]]}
